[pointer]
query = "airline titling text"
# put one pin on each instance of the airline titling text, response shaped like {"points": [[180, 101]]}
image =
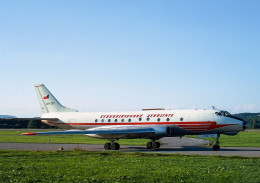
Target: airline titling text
{"points": [[136, 116]]}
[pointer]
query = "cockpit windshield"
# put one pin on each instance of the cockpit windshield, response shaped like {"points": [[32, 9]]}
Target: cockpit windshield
{"points": [[227, 114], [223, 113]]}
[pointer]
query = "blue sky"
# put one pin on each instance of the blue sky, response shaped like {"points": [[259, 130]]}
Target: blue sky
{"points": [[129, 55]]}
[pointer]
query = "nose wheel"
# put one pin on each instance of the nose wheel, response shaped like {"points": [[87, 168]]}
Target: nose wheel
{"points": [[216, 146], [153, 145]]}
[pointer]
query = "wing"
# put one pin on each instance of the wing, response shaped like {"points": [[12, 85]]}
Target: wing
{"points": [[115, 132], [97, 131]]}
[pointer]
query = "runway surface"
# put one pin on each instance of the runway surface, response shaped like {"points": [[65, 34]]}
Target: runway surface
{"points": [[224, 151]]}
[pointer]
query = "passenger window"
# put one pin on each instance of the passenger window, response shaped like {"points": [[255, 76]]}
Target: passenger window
{"points": [[140, 119], [102, 120], [181, 119], [147, 119], [129, 120], [122, 120], [115, 120], [96, 120], [108, 120], [158, 119], [168, 119]]}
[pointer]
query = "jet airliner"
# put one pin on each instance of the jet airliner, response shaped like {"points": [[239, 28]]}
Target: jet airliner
{"points": [[152, 124]]}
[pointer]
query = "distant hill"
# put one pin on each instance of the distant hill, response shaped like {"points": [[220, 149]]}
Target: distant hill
{"points": [[12, 123], [7, 116], [252, 118], [247, 114]]}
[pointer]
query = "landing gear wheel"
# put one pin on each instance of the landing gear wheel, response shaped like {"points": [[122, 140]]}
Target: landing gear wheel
{"points": [[149, 145], [156, 145], [114, 146], [111, 146], [216, 148], [117, 146], [107, 146], [153, 145]]}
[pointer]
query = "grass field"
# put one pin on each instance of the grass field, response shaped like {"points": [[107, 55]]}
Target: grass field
{"points": [[243, 139], [83, 166], [15, 136]]}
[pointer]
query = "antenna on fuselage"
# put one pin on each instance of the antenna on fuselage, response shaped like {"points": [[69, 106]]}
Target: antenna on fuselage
{"points": [[214, 108]]}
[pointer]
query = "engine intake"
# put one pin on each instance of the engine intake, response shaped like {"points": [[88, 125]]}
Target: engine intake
{"points": [[161, 131]]}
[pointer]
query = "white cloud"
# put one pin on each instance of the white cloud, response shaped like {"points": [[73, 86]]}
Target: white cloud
{"points": [[245, 108]]}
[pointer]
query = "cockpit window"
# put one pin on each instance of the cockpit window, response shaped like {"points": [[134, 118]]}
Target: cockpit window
{"points": [[228, 114], [223, 113]]}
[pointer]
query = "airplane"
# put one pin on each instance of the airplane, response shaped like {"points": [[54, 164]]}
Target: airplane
{"points": [[152, 124]]}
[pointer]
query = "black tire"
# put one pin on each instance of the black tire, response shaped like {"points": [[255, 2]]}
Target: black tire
{"points": [[113, 146], [107, 146], [149, 145], [117, 146], [216, 148], [156, 145]]}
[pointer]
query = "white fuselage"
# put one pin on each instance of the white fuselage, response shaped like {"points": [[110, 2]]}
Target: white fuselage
{"points": [[181, 122]]}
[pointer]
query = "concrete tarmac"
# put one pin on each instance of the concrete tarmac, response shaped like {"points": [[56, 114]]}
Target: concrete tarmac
{"points": [[224, 151]]}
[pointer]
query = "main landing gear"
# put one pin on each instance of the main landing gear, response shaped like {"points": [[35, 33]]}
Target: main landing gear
{"points": [[216, 146], [112, 146], [153, 145], [115, 146]]}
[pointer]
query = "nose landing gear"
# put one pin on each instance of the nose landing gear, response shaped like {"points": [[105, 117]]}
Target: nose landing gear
{"points": [[216, 146]]}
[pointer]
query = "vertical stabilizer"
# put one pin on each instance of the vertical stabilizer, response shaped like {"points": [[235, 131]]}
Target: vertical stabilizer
{"points": [[48, 102]]}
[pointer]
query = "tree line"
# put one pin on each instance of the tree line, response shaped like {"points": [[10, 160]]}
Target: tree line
{"points": [[12, 123], [252, 118]]}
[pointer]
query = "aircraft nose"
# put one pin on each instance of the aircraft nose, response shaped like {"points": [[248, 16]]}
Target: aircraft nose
{"points": [[245, 125]]}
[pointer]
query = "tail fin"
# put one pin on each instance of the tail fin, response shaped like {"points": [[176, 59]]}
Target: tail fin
{"points": [[48, 102]]}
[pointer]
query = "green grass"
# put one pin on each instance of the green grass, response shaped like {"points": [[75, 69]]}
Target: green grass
{"points": [[83, 166], [15, 136], [243, 139]]}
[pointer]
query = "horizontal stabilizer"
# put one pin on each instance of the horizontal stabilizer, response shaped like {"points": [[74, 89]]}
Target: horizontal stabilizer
{"points": [[6, 116], [31, 119]]}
